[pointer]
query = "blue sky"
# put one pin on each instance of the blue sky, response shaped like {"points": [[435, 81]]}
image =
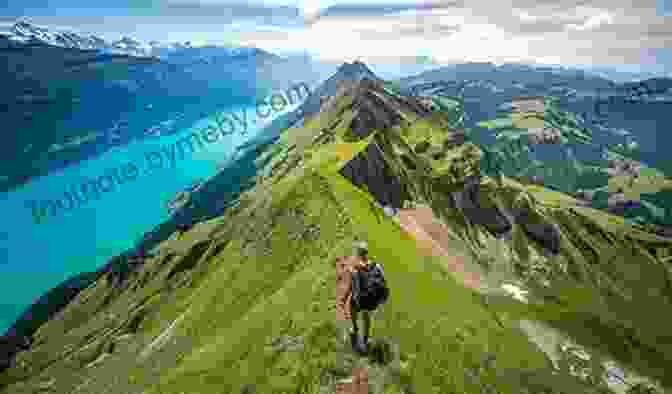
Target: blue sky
{"points": [[634, 35]]}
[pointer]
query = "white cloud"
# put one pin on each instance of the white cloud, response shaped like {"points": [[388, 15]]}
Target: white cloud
{"points": [[525, 16], [541, 31], [311, 8], [599, 17]]}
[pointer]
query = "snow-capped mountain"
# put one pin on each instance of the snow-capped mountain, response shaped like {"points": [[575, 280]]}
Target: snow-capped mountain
{"points": [[132, 47], [27, 33], [24, 32]]}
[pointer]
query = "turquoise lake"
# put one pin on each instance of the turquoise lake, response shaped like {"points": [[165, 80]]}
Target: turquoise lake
{"points": [[35, 257]]}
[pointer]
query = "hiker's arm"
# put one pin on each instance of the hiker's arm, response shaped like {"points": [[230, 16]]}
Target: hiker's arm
{"points": [[343, 302], [343, 287]]}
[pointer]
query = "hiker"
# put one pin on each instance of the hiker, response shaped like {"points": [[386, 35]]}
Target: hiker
{"points": [[360, 289]]}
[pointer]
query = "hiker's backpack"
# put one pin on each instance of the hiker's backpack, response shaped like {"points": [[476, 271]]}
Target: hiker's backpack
{"points": [[369, 288]]}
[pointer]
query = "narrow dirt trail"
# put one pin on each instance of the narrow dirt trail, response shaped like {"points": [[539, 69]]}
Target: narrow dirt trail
{"points": [[358, 384], [432, 235], [432, 238]]}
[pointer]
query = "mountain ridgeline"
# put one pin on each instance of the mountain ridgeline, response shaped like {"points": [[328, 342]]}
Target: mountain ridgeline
{"points": [[244, 301]]}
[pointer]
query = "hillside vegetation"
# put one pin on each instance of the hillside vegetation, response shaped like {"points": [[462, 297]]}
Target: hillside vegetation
{"points": [[246, 302]]}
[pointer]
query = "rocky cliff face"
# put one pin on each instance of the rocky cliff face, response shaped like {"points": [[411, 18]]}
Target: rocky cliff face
{"points": [[368, 170], [469, 201]]}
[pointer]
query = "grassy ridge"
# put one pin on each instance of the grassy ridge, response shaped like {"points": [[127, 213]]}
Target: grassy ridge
{"points": [[248, 300], [441, 328]]}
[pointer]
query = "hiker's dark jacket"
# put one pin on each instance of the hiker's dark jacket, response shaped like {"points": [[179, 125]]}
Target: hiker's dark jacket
{"points": [[345, 266]]}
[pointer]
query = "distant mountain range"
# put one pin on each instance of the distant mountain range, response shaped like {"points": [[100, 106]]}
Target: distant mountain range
{"points": [[55, 82], [24, 32], [623, 76], [577, 87]]}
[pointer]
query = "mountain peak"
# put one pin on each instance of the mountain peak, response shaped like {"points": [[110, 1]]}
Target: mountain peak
{"points": [[345, 74], [356, 70], [371, 105], [21, 24], [25, 29]]}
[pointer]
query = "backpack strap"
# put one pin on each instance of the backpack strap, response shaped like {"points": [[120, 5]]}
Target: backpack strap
{"points": [[355, 287], [380, 267]]}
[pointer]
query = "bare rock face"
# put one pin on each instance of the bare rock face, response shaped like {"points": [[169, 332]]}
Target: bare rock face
{"points": [[547, 135], [369, 170], [537, 228], [544, 233], [475, 206], [587, 195], [455, 137], [372, 114], [375, 111]]}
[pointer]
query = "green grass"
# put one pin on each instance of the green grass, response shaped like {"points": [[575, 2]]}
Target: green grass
{"points": [[268, 299], [250, 295], [442, 329]]}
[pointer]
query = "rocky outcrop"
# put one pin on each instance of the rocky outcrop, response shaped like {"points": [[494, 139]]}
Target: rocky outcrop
{"points": [[587, 195], [369, 170], [618, 204], [546, 135], [455, 138], [474, 203], [625, 166], [538, 229], [372, 112]]}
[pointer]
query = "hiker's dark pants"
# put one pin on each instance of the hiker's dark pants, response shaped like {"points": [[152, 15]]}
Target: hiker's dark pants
{"points": [[366, 319]]}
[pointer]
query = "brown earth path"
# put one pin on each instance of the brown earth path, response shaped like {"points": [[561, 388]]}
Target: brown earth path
{"points": [[358, 384], [432, 237]]}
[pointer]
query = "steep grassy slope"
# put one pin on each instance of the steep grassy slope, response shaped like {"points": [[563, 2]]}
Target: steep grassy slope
{"points": [[245, 302]]}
